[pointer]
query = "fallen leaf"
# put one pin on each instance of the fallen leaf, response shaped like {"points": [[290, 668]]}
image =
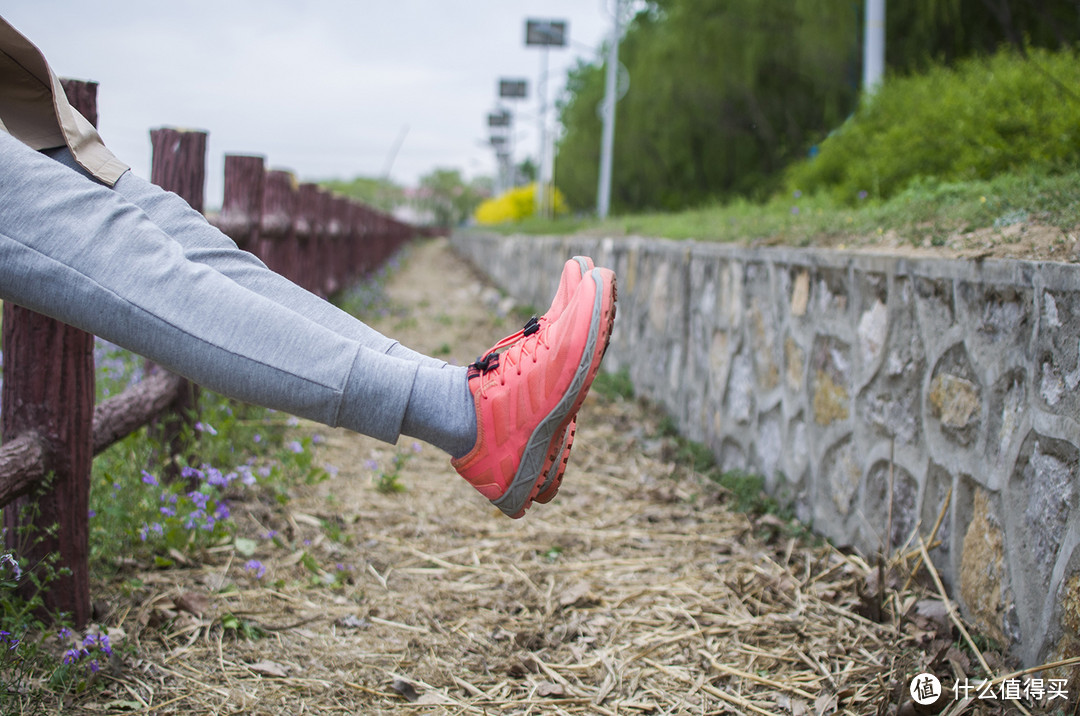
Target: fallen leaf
{"points": [[547, 688], [179, 556], [578, 595], [245, 546], [797, 707], [193, 603], [121, 705], [269, 668], [407, 690], [825, 704], [353, 622]]}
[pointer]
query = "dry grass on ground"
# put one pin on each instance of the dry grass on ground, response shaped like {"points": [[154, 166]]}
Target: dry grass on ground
{"points": [[638, 591]]}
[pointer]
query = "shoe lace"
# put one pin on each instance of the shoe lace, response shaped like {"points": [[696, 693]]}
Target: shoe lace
{"points": [[517, 346]]}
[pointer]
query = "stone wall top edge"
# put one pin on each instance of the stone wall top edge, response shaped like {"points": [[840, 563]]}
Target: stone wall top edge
{"points": [[1053, 275]]}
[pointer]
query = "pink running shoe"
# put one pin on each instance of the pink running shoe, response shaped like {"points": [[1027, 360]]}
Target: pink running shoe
{"points": [[527, 395], [557, 459], [559, 454]]}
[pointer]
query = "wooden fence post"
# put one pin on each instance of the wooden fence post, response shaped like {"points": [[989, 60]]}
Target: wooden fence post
{"points": [[337, 272], [49, 389], [178, 165], [279, 197], [307, 230], [241, 206]]}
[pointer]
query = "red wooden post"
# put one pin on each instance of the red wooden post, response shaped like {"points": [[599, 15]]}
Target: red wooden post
{"points": [[241, 206], [307, 228], [351, 253], [49, 389], [178, 165], [279, 198], [332, 273]]}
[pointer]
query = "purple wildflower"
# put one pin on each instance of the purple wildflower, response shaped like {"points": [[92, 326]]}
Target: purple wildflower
{"points": [[73, 654], [296, 447], [149, 479], [7, 638], [254, 565], [215, 478], [10, 560]]}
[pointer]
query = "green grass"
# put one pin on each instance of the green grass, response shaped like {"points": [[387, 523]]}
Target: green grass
{"points": [[927, 208], [991, 142]]}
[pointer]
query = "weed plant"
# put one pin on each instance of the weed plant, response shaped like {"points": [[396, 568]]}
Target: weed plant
{"points": [[986, 117], [140, 518], [387, 478]]}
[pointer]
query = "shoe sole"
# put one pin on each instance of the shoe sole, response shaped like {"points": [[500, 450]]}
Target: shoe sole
{"points": [[534, 458], [557, 460], [558, 456]]}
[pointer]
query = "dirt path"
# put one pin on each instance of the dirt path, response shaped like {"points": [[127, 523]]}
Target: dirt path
{"points": [[636, 591]]}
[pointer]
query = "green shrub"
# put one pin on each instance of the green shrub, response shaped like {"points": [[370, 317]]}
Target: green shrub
{"points": [[985, 117]]}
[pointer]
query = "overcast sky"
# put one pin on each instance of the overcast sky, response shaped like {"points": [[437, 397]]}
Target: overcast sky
{"points": [[325, 88]]}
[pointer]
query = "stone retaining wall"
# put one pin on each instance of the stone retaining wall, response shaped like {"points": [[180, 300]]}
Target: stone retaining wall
{"points": [[844, 377]]}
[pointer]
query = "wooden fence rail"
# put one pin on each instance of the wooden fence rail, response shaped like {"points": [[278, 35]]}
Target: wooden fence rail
{"points": [[49, 424]]}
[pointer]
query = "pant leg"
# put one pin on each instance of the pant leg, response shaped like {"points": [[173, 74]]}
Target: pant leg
{"points": [[82, 253], [205, 244]]}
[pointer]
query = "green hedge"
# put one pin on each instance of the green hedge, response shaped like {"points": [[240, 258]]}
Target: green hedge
{"points": [[985, 117]]}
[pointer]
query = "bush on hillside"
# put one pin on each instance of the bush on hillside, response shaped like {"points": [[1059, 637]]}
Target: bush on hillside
{"points": [[514, 205], [987, 116]]}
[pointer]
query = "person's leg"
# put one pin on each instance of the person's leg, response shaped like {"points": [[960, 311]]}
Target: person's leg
{"points": [[205, 244], [80, 252]]}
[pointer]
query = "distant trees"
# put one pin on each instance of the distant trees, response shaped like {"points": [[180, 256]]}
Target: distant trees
{"points": [[726, 93], [382, 194], [448, 198]]}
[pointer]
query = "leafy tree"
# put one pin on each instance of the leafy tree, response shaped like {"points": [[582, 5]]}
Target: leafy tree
{"points": [[382, 194], [926, 32], [445, 194], [724, 94]]}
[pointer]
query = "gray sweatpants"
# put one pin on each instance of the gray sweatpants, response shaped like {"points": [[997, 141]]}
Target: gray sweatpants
{"points": [[138, 267]]}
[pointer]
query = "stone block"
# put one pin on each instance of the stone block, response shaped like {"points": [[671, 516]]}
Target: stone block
{"points": [[984, 578], [841, 470], [955, 397], [830, 370], [1044, 483]]}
